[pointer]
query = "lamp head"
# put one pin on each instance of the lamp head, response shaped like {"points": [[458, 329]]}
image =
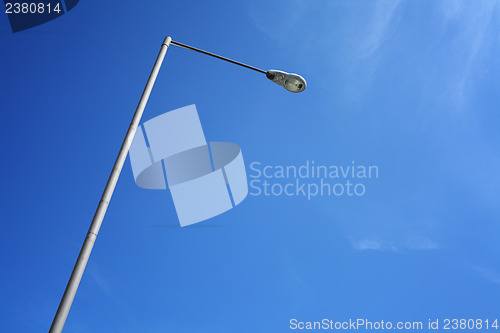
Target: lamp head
{"points": [[292, 82]]}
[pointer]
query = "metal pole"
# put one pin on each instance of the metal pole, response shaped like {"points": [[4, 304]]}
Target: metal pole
{"points": [[83, 257]]}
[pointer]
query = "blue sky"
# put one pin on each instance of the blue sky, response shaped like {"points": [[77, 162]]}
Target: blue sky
{"points": [[409, 86]]}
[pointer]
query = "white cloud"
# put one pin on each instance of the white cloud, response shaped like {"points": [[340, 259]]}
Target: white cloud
{"points": [[414, 243], [488, 274], [379, 28], [373, 244], [472, 38], [103, 282], [421, 243]]}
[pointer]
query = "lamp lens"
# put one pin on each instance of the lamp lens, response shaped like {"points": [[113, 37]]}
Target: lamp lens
{"points": [[294, 85]]}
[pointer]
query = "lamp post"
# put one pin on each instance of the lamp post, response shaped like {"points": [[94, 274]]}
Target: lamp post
{"points": [[292, 82]]}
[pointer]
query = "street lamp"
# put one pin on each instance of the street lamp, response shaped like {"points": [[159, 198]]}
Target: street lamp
{"points": [[291, 82]]}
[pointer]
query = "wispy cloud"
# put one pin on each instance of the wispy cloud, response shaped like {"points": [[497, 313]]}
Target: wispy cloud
{"points": [[421, 243], [345, 38], [379, 27], [488, 274], [100, 280], [473, 37], [373, 244], [278, 20]]}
